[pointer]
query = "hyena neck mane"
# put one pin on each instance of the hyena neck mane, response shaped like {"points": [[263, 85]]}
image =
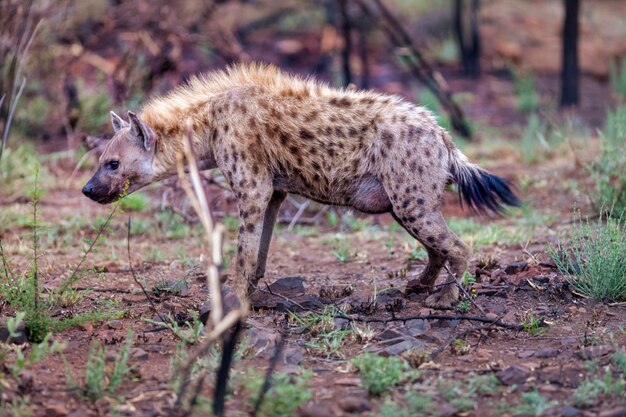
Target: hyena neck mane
{"points": [[194, 104]]}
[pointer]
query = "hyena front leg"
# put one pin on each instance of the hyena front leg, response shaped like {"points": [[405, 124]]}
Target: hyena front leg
{"points": [[271, 212], [253, 198]]}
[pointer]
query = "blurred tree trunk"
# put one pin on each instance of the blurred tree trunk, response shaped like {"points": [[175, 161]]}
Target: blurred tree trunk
{"points": [[346, 30], [326, 55], [570, 72], [363, 55], [467, 35]]}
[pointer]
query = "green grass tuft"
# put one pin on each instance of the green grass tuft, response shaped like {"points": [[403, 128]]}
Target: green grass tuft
{"points": [[594, 258], [379, 374], [528, 98], [285, 395], [609, 173], [532, 404]]}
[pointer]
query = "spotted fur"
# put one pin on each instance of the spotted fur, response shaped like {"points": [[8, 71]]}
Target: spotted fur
{"points": [[271, 133]]}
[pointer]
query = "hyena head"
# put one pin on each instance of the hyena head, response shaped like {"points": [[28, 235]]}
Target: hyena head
{"points": [[126, 163]]}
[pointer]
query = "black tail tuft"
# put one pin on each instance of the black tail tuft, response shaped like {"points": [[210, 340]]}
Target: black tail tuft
{"points": [[484, 192]]}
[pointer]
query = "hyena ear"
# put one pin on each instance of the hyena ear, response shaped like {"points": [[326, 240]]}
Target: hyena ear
{"points": [[117, 122], [141, 132]]}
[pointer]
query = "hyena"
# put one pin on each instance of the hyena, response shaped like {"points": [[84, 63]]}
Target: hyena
{"points": [[271, 133]]}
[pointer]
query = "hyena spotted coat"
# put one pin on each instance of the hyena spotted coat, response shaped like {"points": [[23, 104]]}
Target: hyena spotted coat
{"points": [[271, 134]]}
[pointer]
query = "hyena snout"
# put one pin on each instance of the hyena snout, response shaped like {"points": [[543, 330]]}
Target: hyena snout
{"points": [[99, 192], [88, 191]]}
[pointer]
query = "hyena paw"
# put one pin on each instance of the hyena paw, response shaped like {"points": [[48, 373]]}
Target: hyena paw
{"points": [[443, 300]]}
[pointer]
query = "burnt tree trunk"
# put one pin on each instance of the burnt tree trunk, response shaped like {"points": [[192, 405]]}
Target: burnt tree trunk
{"points": [[346, 30], [467, 35], [570, 72]]}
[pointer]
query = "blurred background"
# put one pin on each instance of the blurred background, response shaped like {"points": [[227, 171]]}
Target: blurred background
{"points": [[536, 75], [65, 64]]}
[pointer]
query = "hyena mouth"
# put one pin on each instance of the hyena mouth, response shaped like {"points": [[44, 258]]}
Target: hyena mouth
{"points": [[91, 193]]}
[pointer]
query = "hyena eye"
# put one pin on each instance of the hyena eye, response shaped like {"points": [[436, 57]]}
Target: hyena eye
{"points": [[113, 165]]}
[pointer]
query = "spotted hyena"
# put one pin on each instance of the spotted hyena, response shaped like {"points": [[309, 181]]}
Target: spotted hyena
{"points": [[271, 134]]}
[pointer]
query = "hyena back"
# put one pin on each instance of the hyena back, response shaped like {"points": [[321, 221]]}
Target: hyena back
{"points": [[272, 134]]}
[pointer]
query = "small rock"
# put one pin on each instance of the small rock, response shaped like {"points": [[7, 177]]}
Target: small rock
{"points": [[230, 302], [291, 356], [4, 333], [288, 286], [615, 412], [443, 324], [416, 327], [547, 353], [515, 268], [262, 340], [302, 302], [514, 375], [525, 354], [139, 354], [570, 412], [114, 324], [341, 324], [388, 334], [433, 337], [306, 302], [394, 347], [354, 404], [590, 352]]}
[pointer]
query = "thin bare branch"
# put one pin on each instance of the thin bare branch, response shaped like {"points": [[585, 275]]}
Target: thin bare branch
{"points": [[221, 324], [143, 289]]}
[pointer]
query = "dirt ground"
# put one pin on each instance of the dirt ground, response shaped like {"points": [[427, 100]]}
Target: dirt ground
{"points": [[357, 263]]}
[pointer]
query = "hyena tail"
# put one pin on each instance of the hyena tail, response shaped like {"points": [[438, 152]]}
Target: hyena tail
{"points": [[480, 190]]}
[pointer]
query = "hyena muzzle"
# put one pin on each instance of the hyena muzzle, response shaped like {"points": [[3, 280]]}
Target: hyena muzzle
{"points": [[272, 134]]}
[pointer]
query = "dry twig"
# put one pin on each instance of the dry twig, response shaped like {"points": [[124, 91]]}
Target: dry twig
{"points": [[221, 324]]}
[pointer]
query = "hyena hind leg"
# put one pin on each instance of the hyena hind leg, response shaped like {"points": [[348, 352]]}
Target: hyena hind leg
{"points": [[436, 261], [442, 245], [271, 212]]}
